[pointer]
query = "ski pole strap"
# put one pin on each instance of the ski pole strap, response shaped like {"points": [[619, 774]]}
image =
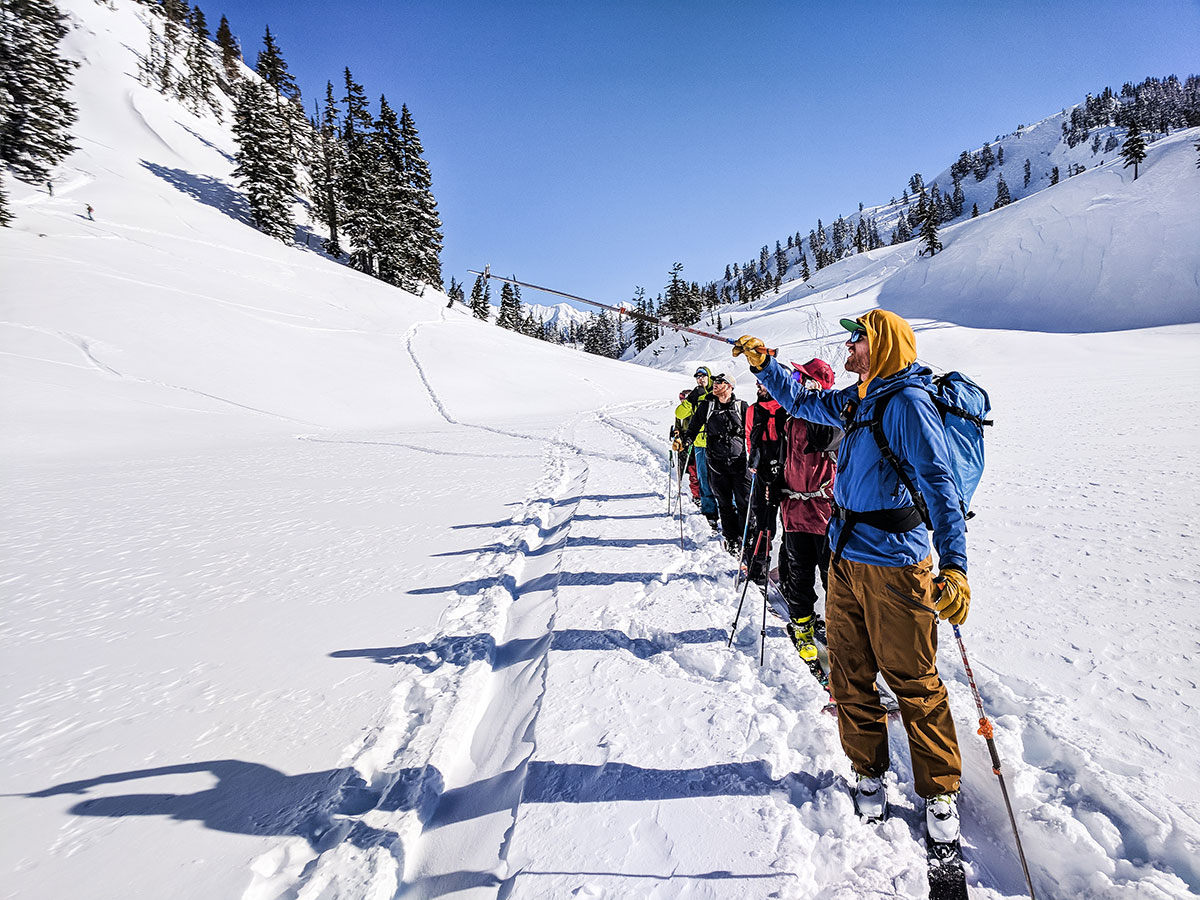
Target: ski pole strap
{"points": [[893, 521]]}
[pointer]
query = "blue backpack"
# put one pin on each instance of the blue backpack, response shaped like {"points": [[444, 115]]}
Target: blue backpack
{"points": [[964, 408]]}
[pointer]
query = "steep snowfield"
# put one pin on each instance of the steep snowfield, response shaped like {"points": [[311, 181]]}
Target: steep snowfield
{"points": [[316, 589]]}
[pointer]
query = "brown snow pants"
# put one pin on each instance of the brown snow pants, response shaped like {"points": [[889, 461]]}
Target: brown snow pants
{"points": [[882, 620]]}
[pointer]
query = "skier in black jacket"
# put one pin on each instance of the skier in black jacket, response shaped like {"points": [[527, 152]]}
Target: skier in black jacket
{"points": [[723, 417]]}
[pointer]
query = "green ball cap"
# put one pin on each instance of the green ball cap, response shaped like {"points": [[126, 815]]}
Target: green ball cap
{"points": [[852, 325]]}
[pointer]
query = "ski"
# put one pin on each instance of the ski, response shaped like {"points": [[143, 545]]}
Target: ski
{"points": [[947, 877]]}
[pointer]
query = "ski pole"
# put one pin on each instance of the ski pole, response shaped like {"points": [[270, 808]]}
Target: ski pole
{"points": [[686, 460], [985, 729], [762, 650], [745, 587], [620, 310], [745, 534], [670, 469]]}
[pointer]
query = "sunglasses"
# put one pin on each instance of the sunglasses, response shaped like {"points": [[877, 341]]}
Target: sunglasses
{"points": [[719, 380], [856, 336], [700, 375]]}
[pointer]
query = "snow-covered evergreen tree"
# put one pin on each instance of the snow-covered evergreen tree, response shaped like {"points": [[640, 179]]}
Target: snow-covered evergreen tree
{"points": [[481, 306], [957, 200], [1133, 151], [1027, 173], [393, 209], [231, 55], [265, 164], [510, 309], [427, 226], [273, 69], [35, 114], [1002, 195], [929, 232], [328, 166], [358, 177], [1054, 175], [201, 76], [781, 260]]}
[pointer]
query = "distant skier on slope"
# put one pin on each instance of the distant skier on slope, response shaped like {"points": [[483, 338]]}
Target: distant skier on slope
{"points": [[764, 447], [883, 599], [695, 407], [806, 492], [723, 418]]}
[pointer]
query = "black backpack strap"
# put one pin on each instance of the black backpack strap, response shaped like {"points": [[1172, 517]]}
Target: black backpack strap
{"points": [[875, 423]]}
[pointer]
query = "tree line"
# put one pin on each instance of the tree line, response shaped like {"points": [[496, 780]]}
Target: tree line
{"points": [[362, 173]]}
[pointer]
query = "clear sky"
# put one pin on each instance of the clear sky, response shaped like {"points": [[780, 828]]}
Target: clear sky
{"points": [[587, 146]]}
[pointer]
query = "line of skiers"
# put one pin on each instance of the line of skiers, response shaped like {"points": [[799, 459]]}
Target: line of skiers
{"points": [[857, 474]]}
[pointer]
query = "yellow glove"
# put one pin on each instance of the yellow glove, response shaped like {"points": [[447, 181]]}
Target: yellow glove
{"points": [[754, 350], [954, 596]]}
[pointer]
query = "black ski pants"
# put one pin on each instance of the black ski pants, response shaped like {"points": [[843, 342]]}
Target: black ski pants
{"points": [[764, 516], [729, 483], [804, 556]]}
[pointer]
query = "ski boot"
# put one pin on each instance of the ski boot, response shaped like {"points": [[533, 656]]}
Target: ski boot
{"points": [[941, 818], [802, 633], [870, 798]]}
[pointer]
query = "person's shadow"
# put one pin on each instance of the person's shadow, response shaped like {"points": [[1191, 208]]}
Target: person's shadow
{"points": [[250, 798]]}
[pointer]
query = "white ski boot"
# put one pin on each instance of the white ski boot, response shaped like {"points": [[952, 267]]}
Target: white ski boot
{"points": [[941, 818], [870, 798]]}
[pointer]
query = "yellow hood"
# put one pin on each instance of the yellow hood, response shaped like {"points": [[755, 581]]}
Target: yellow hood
{"points": [[892, 342]]}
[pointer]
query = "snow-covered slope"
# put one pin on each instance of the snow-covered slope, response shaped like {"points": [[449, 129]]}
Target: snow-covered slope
{"points": [[316, 589], [169, 304]]}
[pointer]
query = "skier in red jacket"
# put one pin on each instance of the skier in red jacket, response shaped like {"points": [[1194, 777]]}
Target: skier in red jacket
{"points": [[806, 502]]}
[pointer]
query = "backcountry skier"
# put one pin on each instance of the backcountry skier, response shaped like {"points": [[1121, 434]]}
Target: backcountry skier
{"points": [[883, 602]]}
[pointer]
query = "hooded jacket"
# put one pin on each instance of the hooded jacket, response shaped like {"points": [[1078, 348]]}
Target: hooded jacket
{"points": [[913, 427]]}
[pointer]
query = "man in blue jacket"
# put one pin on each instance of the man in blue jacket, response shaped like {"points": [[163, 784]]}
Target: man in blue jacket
{"points": [[883, 601]]}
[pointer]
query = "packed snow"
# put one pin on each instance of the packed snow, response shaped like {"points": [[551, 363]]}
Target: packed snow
{"points": [[317, 589]]}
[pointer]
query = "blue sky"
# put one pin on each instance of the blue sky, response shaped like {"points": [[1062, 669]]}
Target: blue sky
{"points": [[587, 146]]}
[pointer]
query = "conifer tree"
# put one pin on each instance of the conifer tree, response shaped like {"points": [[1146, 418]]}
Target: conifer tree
{"points": [[929, 232], [35, 114], [804, 271], [1027, 173], [393, 210], [231, 54], [273, 69], [1002, 195], [480, 305], [674, 307], [510, 309], [329, 166], [265, 167], [201, 77], [781, 260], [357, 187], [1133, 151], [454, 292], [974, 210], [1054, 175], [427, 224], [957, 200]]}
